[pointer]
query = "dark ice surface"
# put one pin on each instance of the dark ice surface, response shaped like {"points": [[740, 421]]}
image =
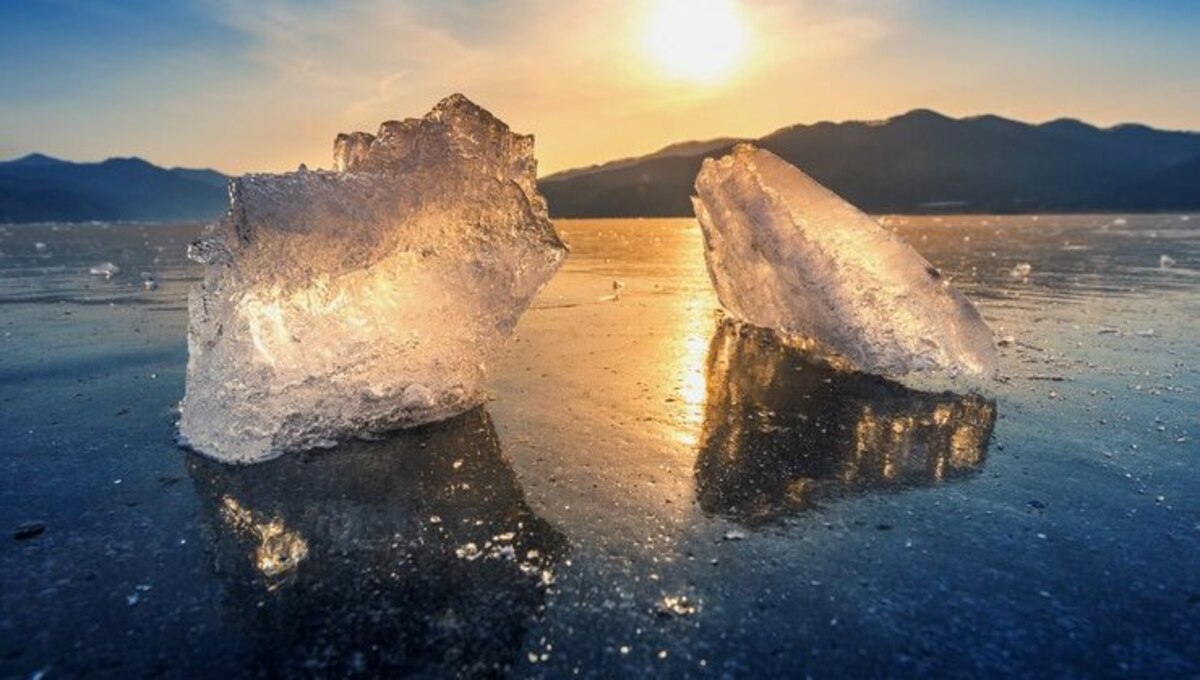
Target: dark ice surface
{"points": [[652, 490]]}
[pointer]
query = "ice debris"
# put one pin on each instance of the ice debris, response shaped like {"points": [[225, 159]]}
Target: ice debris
{"points": [[1166, 261], [786, 253], [105, 269], [371, 298]]}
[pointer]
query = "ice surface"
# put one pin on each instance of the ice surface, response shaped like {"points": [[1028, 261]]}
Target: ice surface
{"points": [[346, 303], [786, 253]]}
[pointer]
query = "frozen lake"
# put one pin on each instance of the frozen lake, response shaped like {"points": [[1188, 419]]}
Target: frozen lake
{"points": [[648, 491]]}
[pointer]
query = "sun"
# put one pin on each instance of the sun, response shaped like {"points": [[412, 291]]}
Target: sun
{"points": [[696, 40]]}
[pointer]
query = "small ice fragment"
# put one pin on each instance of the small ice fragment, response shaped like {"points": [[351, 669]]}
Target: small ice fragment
{"points": [[1166, 261], [150, 284], [105, 269], [1021, 271], [676, 605], [1007, 341], [39, 246], [786, 253], [469, 552], [1147, 333]]}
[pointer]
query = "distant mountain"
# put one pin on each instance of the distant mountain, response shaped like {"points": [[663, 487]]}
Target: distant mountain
{"points": [[1176, 188], [38, 188], [921, 161], [682, 149]]}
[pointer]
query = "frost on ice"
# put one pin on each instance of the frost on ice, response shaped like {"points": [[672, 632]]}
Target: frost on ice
{"points": [[786, 253], [371, 298]]}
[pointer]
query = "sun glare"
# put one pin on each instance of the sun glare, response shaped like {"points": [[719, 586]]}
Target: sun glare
{"points": [[696, 40]]}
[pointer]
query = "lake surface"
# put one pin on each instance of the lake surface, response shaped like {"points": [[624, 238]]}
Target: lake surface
{"points": [[650, 490]]}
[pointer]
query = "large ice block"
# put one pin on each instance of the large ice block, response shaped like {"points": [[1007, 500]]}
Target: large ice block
{"points": [[372, 298], [786, 253]]}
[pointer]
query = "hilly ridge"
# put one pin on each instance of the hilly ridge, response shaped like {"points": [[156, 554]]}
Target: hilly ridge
{"points": [[38, 188], [921, 161], [918, 162]]}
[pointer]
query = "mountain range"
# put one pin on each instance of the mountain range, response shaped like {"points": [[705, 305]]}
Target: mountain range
{"points": [[38, 188], [919, 162]]}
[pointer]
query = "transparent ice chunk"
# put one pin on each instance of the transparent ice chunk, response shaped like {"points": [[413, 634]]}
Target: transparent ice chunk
{"points": [[786, 253], [352, 302]]}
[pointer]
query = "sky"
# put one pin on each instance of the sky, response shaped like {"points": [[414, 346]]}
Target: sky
{"points": [[264, 85]]}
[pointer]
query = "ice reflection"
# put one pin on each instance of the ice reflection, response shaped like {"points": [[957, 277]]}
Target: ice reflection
{"points": [[781, 433], [279, 550], [414, 555]]}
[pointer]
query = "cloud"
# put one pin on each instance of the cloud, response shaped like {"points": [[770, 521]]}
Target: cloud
{"points": [[558, 67]]}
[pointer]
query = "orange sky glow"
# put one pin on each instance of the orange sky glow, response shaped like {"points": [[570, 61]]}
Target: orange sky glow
{"points": [[266, 85]]}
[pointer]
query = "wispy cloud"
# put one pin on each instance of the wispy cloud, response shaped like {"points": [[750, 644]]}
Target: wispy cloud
{"points": [[562, 67], [264, 85]]}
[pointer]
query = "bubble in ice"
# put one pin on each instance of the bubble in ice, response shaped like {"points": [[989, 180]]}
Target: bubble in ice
{"points": [[785, 253], [366, 299]]}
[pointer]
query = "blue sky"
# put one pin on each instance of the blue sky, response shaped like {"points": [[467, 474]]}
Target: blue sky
{"points": [[266, 85]]}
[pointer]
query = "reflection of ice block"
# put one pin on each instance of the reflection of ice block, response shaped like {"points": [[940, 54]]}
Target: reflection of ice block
{"points": [[345, 303], [782, 432], [786, 253], [413, 556]]}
